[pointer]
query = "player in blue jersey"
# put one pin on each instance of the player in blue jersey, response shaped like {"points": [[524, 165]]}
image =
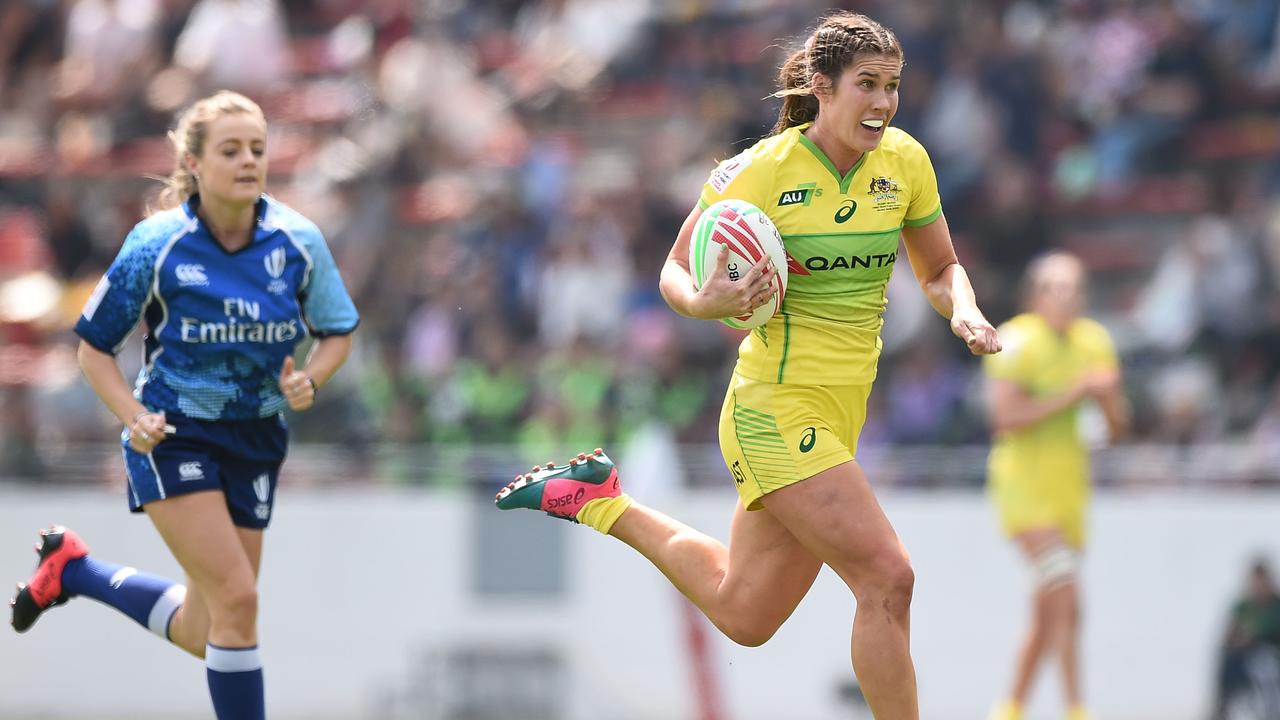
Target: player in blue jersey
{"points": [[228, 282]]}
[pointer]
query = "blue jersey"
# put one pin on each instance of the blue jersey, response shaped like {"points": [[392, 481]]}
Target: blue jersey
{"points": [[219, 324]]}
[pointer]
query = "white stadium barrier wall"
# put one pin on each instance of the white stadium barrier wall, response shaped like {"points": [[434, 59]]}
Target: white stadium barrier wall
{"points": [[383, 603]]}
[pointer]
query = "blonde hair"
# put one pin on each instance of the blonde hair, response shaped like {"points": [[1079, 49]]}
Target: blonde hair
{"points": [[189, 137], [831, 48]]}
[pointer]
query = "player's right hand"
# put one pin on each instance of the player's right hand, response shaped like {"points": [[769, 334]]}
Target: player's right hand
{"points": [[146, 431], [721, 296]]}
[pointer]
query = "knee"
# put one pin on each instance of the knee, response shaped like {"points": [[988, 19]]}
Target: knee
{"points": [[236, 605], [889, 580], [750, 633]]}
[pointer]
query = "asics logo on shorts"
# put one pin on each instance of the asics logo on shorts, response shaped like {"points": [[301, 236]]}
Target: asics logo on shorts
{"points": [[808, 439], [190, 274], [190, 471]]}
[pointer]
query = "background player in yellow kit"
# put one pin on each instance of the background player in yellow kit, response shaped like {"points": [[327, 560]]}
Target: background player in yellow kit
{"points": [[842, 186], [1039, 468]]}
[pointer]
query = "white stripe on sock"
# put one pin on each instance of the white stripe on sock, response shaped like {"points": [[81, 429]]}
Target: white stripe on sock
{"points": [[162, 612], [232, 660]]}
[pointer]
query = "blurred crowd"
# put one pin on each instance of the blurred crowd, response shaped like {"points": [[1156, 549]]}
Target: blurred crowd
{"points": [[501, 180]]}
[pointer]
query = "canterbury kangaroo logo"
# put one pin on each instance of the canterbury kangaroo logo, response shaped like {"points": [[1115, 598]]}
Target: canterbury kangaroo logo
{"points": [[808, 439]]}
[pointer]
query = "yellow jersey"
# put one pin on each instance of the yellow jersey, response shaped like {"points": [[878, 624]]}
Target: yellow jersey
{"points": [[841, 236], [1049, 455]]}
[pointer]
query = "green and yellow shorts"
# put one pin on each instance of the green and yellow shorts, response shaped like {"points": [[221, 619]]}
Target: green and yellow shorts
{"points": [[773, 435]]}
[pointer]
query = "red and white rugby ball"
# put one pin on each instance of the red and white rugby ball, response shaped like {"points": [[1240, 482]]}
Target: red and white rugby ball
{"points": [[749, 235]]}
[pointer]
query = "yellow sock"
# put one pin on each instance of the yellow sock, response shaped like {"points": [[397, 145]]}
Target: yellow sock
{"points": [[1077, 712], [602, 513], [1007, 710]]}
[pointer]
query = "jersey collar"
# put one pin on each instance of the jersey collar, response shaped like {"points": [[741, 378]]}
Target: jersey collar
{"points": [[259, 210], [845, 181]]}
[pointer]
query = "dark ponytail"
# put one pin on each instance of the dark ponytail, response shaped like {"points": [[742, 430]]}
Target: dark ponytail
{"points": [[833, 46], [799, 104]]}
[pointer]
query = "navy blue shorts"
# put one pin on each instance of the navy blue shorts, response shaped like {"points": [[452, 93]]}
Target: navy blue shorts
{"points": [[241, 458]]}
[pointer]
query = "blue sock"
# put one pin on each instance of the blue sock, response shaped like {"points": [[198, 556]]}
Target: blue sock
{"points": [[235, 682], [150, 600]]}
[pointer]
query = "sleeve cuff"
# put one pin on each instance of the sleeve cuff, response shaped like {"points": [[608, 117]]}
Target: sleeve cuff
{"points": [[920, 222], [320, 334], [93, 343]]}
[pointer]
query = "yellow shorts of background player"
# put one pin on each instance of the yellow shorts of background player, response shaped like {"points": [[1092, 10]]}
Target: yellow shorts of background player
{"points": [[1035, 501], [773, 435]]}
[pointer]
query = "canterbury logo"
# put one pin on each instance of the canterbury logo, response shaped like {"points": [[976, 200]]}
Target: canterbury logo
{"points": [[191, 275], [262, 487], [190, 471], [274, 262]]}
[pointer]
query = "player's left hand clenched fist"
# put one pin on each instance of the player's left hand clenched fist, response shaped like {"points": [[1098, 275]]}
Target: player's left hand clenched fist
{"points": [[298, 387], [970, 326]]}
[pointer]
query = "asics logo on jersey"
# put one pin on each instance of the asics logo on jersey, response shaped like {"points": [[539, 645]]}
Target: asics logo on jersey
{"points": [[190, 274], [190, 471], [849, 262], [274, 262], [846, 211], [739, 477]]}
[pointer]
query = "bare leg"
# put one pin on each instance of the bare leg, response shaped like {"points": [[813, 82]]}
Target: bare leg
{"points": [[1053, 621], [747, 589], [221, 564], [189, 628], [1069, 642], [836, 516]]}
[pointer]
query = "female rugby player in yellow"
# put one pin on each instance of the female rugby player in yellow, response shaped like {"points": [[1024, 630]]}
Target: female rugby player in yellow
{"points": [[1039, 468], [842, 186]]}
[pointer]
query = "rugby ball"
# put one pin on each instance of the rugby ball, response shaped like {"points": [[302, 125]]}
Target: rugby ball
{"points": [[750, 235]]}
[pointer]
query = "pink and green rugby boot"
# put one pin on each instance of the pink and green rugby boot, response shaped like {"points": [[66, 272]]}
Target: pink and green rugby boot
{"points": [[586, 490]]}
